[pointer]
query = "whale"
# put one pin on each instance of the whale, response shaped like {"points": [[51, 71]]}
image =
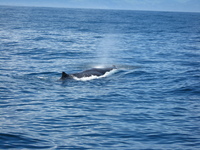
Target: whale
{"points": [[88, 73]]}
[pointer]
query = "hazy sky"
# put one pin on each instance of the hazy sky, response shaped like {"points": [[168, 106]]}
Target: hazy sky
{"points": [[157, 5]]}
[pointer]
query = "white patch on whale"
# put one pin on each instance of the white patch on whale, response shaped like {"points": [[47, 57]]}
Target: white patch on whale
{"points": [[92, 77]]}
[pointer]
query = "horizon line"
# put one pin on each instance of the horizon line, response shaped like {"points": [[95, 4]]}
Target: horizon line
{"points": [[8, 5]]}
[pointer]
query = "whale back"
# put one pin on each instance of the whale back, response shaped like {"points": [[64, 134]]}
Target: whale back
{"points": [[88, 73]]}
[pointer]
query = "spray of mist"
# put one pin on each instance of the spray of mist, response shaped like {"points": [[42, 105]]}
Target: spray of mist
{"points": [[106, 51]]}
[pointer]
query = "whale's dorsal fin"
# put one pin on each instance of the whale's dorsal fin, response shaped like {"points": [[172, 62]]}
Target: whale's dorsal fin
{"points": [[64, 76]]}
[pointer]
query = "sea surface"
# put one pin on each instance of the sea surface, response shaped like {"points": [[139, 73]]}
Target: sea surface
{"points": [[151, 102]]}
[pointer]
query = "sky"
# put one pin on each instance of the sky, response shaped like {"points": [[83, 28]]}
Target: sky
{"points": [[152, 5]]}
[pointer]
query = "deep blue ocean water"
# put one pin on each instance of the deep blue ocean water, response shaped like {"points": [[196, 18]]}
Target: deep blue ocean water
{"points": [[151, 102]]}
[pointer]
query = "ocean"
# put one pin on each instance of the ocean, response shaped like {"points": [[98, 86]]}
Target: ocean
{"points": [[150, 102]]}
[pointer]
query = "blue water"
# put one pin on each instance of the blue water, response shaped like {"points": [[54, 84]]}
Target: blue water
{"points": [[151, 102]]}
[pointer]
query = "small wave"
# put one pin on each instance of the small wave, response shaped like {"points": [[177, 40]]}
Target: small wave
{"points": [[95, 77], [12, 141], [133, 73]]}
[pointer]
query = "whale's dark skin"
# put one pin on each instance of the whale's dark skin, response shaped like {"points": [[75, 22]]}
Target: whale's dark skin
{"points": [[88, 73]]}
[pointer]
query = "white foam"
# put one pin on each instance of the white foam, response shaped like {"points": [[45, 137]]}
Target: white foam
{"points": [[96, 77]]}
